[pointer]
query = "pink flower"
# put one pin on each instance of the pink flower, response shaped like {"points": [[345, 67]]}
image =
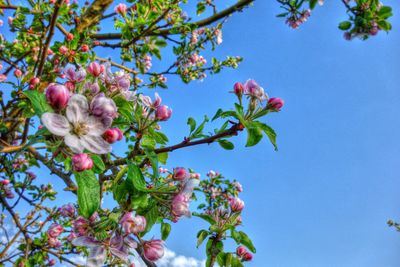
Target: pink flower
{"points": [[5, 182], [180, 174], [236, 204], [275, 103], [82, 162], [17, 73], [79, 129], [1, 23], [121, 9], [112, 135], [75, 76], [163, 113], [63, 50], [68, 210], [133, 224], [57, 95], [102, 106], [153, 249], [240, 251], [55, 230], [80, 226], [95, 69], [92, 87], [238, 186], [180, 206], [54, 242], [252, 89], [146, 100], [51, 262], [3, 78], [10, 20]]}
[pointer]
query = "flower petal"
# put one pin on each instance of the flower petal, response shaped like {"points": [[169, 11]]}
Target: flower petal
{"points": [[96, 126], [77, 109], [119, 253], [84, 241], [95, 144], [56, 123], [97, 256], [74, 143]]}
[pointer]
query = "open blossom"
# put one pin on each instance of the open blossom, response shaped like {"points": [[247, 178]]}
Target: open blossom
{"points": [[81, 162], [95, 69], [79, 129], [180, 203], [75, 76], [146, 100], [218, 35], [236, 204], [153, 249], [118, 245], [133, 223], [252, 89], [57, 95]]}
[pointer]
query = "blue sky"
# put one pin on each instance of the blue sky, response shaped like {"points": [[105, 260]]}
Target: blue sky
{"points": [[324, 198]]}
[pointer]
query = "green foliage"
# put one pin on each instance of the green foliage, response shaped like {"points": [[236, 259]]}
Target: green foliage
{"points": [[88, 193]]}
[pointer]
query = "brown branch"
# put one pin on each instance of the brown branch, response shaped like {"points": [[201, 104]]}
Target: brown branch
{"points": [[117, 65], [49, 37], [231, 131], [201, 23], [8, 7], [60, 257], [93, 14]]}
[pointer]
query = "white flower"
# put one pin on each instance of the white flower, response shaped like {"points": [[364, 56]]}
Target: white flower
{"points": [[79, 129]]}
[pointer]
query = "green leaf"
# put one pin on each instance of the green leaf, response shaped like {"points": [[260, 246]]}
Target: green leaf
{"points": [[151, 218], [226, 144], [192, 123], [385, 12], [246, 241], [235, 235], [201, 7], [136, 179], [269, 132], [201, 235], [217, 114], [165, 230], [88, 193], [345, 25], [384, 25], [38, 101], [205, 217], [254, 134], [313, 3], [153, 160], [162, 157], [98, 164], [236, 262]]}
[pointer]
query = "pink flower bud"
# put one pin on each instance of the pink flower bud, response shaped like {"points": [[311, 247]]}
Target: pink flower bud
{"points": [[238, 89], [50, 52], [3, 78], [374, 30], [121, 9], [67, 210], [180, 206], [63, 50], [82, 162], [70, 37], [247, 256], [57, 95], [238, 186], [5, 182], [51, 262], [112, 135], [33, 82], [153, 249], [133, 224], [103, 107], [95, 69], [55, 230], [17, 73], [236, 204], [70, 86], [85, 48], [275, 103], [252, 88], [54, 242], [180, 174], [163, 113], [240, 251]]}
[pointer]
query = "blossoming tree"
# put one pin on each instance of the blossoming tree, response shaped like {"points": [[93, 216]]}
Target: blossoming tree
{"points": [[62, 108]]}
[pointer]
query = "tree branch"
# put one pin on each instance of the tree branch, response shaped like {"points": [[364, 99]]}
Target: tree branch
{"points": [[201, 23]]}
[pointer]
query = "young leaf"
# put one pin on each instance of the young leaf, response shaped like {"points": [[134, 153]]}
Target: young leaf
{"points": [[98, 164], [226, 144], [88, 193], [192, 123], [201, 235], [38, 101], [246, 241], [165, 230], [135, 178], [254, 134]]}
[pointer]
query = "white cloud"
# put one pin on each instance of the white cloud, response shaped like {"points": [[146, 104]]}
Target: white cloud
{"points": [[170, 259]]}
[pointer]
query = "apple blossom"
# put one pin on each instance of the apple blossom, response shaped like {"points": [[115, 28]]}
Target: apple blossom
{"points": [[275, 103], [55, 230], [17, 73], [133, 223], [252, 89], [240, 251], [121, 9], [236, 204], [79, 129], [112, 135], [163, 113], [95, 69], [180, 174], [82, 162]]}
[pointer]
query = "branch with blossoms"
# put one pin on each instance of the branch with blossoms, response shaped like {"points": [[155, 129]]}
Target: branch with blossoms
{"points": [[64, 106]]}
